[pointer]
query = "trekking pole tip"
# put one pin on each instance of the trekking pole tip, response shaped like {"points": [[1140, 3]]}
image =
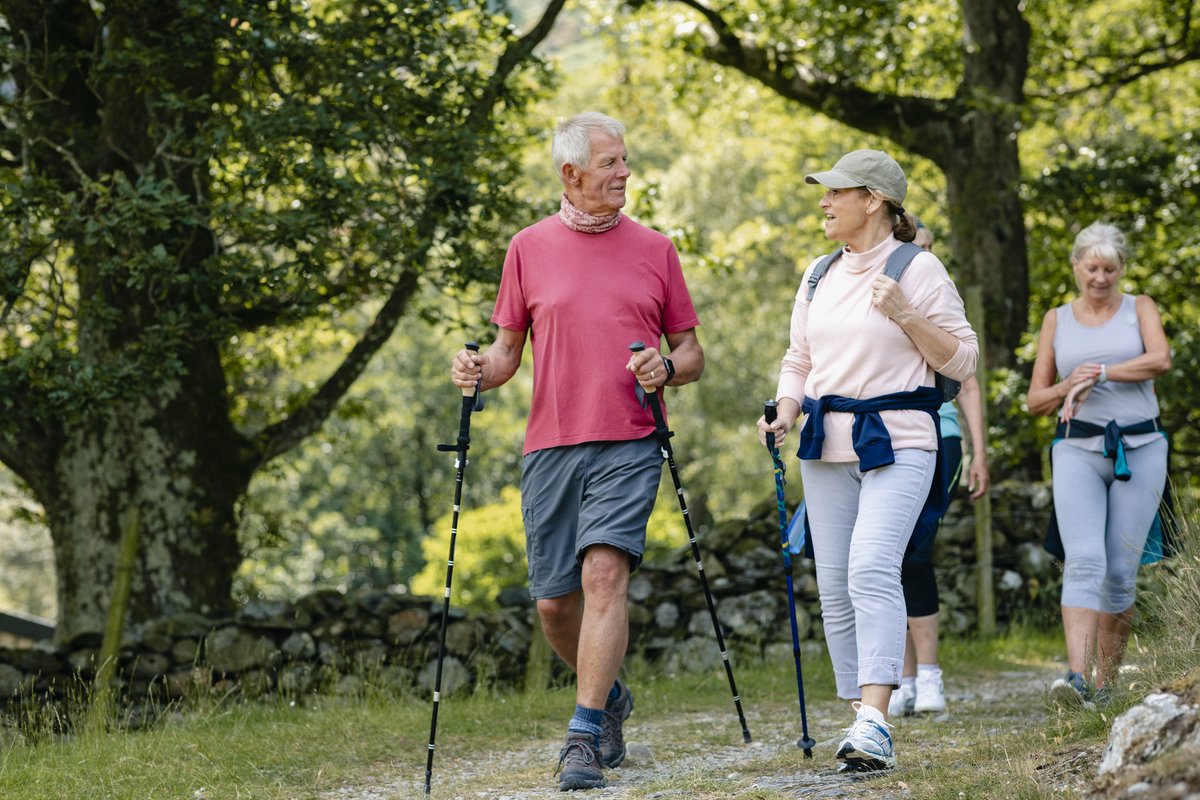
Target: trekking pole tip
{"points": [[806, 744]]}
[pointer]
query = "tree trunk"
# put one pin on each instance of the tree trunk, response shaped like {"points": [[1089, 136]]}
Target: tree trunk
{"points": [[987, 231], [173, 455]]}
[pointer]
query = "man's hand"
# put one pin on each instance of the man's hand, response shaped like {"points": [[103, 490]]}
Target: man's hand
{"points": [[647, 367]]}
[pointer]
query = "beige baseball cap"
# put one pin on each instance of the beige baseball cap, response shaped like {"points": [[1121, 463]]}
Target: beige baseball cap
{"points": [[873, 169]]}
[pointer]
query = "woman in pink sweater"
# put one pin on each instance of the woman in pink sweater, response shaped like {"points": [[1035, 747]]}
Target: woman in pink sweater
{"points": [[860, 366]]}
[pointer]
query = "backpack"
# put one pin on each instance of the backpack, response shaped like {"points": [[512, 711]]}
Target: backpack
{"points": [[897, 262]]}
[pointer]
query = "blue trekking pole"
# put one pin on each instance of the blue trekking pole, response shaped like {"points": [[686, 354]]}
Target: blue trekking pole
{"points": [[663, 435], [471, 401], [770, 412]]}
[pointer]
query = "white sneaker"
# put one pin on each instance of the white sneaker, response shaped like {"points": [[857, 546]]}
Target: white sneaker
{"points": [[867, 746], [931, 694], [903, 698]]}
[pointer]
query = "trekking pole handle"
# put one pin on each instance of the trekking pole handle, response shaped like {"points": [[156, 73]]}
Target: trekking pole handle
{"points": [[474, 348], [638, 347], [770, 414]]}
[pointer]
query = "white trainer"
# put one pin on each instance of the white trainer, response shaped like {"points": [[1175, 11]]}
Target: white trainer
{"points": [[867, 746], [931, 693], [903, 700]]}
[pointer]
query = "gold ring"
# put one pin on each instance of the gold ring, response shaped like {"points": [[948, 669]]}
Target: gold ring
{"points": [[651, 373]]}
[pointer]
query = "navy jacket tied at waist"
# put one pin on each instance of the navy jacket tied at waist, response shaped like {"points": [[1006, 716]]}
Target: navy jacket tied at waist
{"points": [[1114, 446], [872, 442]]}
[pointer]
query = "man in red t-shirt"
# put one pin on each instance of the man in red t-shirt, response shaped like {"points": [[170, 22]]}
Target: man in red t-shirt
{"points": [[582, 285]]}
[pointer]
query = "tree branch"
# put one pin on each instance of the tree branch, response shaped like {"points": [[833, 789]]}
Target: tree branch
{"points": [[915, 123], [306, 420], [516, 52], [286, 434]]}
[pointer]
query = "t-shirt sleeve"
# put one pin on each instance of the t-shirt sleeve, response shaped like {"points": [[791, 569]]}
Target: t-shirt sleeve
{"points": [[511, 310], [678, 312]]}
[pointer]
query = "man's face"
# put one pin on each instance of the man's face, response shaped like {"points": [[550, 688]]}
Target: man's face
{"points": [[600, 188]]}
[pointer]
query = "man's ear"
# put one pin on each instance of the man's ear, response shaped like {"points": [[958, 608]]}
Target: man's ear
{"points": [[569, 174]]}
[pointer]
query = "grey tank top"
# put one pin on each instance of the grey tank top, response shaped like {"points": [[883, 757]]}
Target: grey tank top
{"points": [[1117, 340]]}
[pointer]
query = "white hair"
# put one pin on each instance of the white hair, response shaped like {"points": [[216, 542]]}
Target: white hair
{"points": [[573, 138], [1104, 241]]}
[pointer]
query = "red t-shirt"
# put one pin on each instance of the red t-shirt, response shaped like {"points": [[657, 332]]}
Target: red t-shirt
{"points": [[585, 297]]}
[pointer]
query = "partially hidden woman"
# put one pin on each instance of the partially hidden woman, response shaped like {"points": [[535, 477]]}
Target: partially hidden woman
{"points": [[1097, 358], [861, 365]]}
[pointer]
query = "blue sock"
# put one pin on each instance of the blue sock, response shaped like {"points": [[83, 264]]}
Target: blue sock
{"points": [[586, 720], [615, 691]]}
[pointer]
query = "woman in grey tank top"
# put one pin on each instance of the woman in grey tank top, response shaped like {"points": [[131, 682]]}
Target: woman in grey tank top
{"points": [[1096, 362]]}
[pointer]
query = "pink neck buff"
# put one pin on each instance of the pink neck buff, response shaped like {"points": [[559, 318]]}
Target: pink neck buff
{"points": [[579, 220]]}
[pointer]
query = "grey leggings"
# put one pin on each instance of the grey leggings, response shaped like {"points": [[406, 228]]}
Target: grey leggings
{"points": [[1103, 522], [861, 523]]}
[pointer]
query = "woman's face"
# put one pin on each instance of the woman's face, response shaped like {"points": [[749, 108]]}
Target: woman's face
{"points": [[1097, 277], [845, 212]]}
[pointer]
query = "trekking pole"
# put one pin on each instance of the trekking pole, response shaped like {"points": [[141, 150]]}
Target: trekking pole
{"points": [[664, 440], [770, 412], [471, 401]]}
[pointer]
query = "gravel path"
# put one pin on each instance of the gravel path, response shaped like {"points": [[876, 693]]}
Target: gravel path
{"points": [[1003, 706]]}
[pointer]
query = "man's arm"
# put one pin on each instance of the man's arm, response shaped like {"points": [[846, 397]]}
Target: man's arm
{"points": [[495, 365]]}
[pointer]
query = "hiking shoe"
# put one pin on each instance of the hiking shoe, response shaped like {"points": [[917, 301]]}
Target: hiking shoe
{"points": [[867, 746], [903, 700], [931, 693], [1071, 691], [612, 737], [579, 763]]}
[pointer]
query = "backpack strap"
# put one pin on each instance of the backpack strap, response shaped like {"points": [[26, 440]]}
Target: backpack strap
{"points": [[819, 271], [897, 262], [900, 258]]}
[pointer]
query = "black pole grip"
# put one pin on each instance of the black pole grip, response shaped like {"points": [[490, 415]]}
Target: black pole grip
{"points": [[771, 411]]}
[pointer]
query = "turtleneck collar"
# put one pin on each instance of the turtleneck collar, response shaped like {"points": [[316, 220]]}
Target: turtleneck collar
{"points": [[858, 262]]}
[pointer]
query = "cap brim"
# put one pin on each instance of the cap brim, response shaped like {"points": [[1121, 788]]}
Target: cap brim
{"points": [[833, 179]]}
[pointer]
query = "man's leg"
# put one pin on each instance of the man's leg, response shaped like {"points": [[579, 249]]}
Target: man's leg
{"points": [[561, 619], [604, 633], [591, 638]]}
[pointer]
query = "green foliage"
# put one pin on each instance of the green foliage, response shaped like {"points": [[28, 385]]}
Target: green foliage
{"points": [[308, 158], [350, 507]]}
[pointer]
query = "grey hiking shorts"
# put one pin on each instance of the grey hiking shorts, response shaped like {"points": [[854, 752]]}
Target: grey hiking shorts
{"points": [[576, 496]]}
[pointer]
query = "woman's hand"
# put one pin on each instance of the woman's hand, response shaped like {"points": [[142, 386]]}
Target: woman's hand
{"points": [[977, 477], [786, 414], [1075, 397], [1082, 374], [888, 297]]}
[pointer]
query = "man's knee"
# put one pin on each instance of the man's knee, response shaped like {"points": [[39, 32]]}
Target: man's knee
{"points": [[605, 571], [558, 611]]}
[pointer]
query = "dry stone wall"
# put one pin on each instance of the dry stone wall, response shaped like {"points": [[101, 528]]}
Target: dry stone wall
{"points": [[327, 641]]}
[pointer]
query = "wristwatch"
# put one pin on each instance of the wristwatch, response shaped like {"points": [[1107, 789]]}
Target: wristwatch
{"points": [[670, 368], [1103, 374]]}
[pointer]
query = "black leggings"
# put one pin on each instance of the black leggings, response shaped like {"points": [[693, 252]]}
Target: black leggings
{"points": [[916, 571]]}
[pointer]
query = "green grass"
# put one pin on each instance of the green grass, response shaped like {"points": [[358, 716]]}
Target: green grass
{"points": [[279, 750], [1010, 747]]}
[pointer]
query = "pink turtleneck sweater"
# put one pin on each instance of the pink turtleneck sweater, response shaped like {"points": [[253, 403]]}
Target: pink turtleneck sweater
{"points": [[841, 344]]}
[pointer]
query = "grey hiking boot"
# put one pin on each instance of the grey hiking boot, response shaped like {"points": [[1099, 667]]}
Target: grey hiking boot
{"points": [[579, 763], [612, 737]]}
